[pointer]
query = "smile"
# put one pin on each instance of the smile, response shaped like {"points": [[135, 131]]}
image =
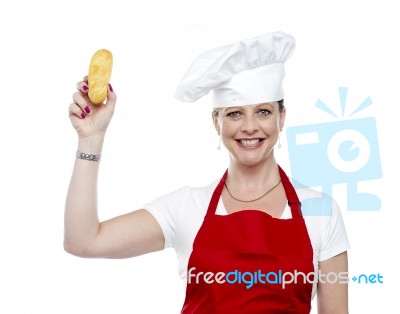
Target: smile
{"points": [[250, 143]]}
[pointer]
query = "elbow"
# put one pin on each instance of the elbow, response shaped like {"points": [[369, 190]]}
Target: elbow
{"points": [[72, 249], [75, 249]]}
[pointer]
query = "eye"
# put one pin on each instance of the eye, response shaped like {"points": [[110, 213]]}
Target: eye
{"points": [[233, 114], [264, 112]]}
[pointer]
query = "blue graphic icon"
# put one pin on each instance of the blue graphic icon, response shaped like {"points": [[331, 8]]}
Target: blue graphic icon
{"points": [[344, 151]]}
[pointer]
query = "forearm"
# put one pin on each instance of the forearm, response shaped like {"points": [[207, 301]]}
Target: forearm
{"points": [[81, 222]]}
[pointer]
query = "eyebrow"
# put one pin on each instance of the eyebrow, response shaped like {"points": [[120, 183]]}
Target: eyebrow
{"points": [[270, 105], [256, 107], [265, 104]]}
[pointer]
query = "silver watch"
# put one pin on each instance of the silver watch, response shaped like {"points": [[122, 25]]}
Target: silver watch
{"points": [[86, 156]]}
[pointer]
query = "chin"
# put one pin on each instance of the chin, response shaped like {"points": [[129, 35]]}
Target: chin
{"points": [[250, 161]]}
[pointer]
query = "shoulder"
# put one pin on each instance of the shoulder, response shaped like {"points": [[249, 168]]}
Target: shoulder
{"points": [[324, 223], [319, 209], [315, 203], [185, 201], [180, 212]]}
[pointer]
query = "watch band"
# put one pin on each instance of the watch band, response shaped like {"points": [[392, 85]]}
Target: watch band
{"points": [[86, 156]]}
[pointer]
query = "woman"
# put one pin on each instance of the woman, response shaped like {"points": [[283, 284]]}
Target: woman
{"points": [[242, 243]]}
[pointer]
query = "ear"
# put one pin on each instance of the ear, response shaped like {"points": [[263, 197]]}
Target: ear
{"points": [[282, 116], [216, 123]]}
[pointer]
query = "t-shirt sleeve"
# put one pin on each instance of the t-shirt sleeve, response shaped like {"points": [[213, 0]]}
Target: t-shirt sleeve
{"points": [[325, 224], [334, 237], [166, 210]]}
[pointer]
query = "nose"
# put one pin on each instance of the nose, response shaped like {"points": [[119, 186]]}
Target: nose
{"points": [[249, 124]]}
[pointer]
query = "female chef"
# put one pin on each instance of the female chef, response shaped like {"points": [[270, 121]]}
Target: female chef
{"points": [[242, 243]]}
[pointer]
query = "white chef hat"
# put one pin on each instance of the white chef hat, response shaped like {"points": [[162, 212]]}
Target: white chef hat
{"points": [[248, 72]]}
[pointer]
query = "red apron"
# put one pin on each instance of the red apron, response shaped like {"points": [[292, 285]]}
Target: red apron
{"points": [[244, 245]]}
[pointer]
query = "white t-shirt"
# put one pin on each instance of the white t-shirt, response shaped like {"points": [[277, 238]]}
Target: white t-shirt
{"points": [[181, 213]]}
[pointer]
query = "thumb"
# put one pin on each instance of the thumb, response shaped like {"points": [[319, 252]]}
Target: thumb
{"points": [[111, 96]]}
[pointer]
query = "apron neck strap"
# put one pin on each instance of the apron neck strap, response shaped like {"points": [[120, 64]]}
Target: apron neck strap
{"points": [[291, 195], [293, 200], [212, 206]]}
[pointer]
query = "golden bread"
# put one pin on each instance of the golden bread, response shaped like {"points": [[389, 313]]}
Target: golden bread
{"points": [[99, 75]]}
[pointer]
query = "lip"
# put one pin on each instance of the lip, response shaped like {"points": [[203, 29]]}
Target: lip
{"points": [[249, 145]]}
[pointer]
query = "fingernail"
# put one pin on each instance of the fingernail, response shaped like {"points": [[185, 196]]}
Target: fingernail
{"points": [[111, 89], [87, 109], [85, 88], [83, 115]]}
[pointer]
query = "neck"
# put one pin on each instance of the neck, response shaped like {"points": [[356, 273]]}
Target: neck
{"points": [[255, 176]]}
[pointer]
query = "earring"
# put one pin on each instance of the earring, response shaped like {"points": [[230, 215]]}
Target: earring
{"points": [[219, 144], [279, 141], [220, 139]]}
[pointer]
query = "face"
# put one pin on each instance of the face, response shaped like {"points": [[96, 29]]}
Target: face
{"points": [[250, 132]]}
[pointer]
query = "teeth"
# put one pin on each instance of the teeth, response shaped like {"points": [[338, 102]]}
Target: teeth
{"points": [[249, 142]]}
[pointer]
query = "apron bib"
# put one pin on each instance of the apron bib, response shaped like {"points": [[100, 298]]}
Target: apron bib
{"points": [[254, 251]]}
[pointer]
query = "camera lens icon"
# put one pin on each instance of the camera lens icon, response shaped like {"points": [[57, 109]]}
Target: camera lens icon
{"points": [[348, 150]]}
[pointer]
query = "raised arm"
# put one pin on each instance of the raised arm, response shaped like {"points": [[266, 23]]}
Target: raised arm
{"points": [[124, 236]]}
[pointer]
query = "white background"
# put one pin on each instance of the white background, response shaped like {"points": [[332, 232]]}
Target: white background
{"points": [[156, 144]]}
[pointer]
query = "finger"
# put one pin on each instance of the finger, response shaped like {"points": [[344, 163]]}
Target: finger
{"points": [[85, 79], [82, 101], [111, 96], [76, 111], [83, 87]]}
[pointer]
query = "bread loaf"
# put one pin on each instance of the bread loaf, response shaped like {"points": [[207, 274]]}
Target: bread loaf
{"points": [[99, 75]]}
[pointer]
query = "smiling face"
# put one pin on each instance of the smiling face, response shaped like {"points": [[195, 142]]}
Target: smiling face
{"points": [[250, 132]]}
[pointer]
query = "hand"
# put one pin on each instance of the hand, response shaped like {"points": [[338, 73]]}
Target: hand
{"points": [[88, 119]]}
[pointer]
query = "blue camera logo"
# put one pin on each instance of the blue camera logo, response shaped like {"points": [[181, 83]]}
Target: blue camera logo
{"points": [[344, 151]]}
